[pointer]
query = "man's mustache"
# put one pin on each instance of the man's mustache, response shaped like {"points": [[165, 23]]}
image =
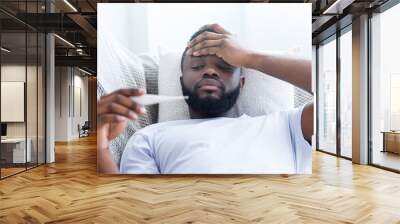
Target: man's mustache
{"points": [[220, 84]]}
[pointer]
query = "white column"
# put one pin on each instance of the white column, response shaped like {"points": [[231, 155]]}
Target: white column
{"points": [[50, 92], [360, 90], [50, 103]]}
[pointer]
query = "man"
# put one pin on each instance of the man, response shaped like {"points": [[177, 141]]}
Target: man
{"points": [[209, 142]]}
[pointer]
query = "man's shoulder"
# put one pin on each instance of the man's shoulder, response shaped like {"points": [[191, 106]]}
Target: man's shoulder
{"points": [[277, 117], [275, 114]]}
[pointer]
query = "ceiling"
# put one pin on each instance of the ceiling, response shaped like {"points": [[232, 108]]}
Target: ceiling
{"points": [[76, 22]]}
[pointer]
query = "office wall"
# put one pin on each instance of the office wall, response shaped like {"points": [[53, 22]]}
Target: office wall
{"points": [[33, 126], [71, 102], [15, 72], [61, 103], [80, 109]]}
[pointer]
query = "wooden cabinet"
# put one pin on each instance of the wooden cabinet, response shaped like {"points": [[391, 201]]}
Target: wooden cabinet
{"points": [[391, 141]]}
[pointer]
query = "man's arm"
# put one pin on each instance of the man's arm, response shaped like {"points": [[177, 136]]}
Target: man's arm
{"points": [[295, 71], [292, 70], [114, 110], [307, 121], [105, 163]]}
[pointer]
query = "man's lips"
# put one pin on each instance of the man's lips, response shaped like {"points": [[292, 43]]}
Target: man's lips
{"points": [[209, 88], [209, 83]]}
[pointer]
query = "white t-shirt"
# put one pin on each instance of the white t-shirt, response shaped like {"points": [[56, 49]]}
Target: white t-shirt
{"points": [[269, 144]]}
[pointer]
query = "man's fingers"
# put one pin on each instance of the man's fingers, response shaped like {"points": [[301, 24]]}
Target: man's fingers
{"points": [[206, 36], [125, 92], [104, 104], [115, 108], [131, 92], [216, 27], [112, 118], [207, 43], [207, 51], [204, 27]]}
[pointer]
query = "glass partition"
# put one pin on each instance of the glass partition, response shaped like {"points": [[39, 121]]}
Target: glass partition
{"points": [[22, 78], [346, 93], [327, 96], [385, 89], [31, 97], [13, 95], [41, 110]]}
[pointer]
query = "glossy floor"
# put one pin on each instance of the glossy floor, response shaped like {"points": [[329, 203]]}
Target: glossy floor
{"points": [[70, 191], [387, 159]]}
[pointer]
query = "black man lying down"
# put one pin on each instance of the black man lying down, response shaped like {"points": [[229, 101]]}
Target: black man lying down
{"points": [[209, 142]]}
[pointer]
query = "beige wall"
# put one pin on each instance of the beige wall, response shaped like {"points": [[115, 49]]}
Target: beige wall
{"points": [[17, 73], [71, 87], [34, 126]]}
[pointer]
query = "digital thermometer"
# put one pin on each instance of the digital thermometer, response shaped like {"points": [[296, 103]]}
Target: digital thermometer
{"points": [[149, 99]]}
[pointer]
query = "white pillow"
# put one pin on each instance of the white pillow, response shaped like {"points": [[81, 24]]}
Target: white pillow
{"points": [[261, 94], [117, 66], [169, 84]]}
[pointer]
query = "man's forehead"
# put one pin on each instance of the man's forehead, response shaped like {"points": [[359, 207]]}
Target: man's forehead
{"points": [[205, 57]]}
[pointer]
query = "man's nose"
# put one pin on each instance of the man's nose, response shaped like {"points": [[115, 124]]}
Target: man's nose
{"points": [[211, 72]]}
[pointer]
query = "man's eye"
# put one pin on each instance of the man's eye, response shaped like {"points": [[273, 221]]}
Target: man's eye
{"points": [[197, 67], [226, 68]]}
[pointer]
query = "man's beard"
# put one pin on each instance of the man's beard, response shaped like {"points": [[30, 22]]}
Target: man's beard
{"points": [[210, 107]]}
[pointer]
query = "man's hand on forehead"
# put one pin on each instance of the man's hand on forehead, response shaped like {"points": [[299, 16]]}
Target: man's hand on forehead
{"points": [[217, 28], [220, 43]]}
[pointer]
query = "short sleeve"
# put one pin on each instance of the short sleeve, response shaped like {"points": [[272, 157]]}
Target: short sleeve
{"points": [[138, 157], [301, 147]]}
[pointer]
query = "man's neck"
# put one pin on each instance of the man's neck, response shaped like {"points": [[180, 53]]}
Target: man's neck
{"points": [[196, 115]]}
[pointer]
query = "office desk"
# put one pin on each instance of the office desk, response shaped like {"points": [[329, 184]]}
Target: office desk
{"points": [[391, 141], [13, 150]]}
